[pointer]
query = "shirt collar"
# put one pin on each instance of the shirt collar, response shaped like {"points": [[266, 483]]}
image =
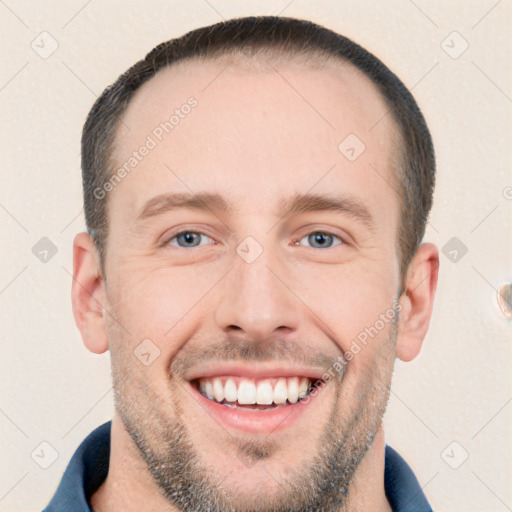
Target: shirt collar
{"points": [[88, 468]]}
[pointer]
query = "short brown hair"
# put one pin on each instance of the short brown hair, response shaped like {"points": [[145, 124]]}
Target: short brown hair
{"points": [[250, 35]]}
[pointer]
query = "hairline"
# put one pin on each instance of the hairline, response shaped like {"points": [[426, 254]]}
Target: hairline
{"points": [[304, 58], [310, 58]]}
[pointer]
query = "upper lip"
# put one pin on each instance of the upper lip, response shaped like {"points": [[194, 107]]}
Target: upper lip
{"points": [[253, 371]]}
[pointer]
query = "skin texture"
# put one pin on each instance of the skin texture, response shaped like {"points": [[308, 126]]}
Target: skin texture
{"points": [[253, 139]]}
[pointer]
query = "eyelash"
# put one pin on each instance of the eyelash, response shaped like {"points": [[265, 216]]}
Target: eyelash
{"points": [[176, 235], [295, 242], [319, 232]]}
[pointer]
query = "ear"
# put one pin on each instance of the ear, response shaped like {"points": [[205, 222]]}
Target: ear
{"points": [[88, 294], [417, 301]]}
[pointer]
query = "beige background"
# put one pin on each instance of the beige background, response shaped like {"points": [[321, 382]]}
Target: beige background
{"points": [[458, 389]]}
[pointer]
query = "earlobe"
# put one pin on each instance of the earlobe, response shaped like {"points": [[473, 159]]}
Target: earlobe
{"points": [[88, 294], [417, 301]]}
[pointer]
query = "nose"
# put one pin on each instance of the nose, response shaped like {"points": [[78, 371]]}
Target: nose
{"points": [[256, 302]]}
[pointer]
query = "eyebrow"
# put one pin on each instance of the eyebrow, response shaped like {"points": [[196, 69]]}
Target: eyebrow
{"points": [[299, 203], [166, 202], [304, 203]]}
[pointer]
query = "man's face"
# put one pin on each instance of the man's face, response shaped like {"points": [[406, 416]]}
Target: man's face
{"points": [[250, 297]]}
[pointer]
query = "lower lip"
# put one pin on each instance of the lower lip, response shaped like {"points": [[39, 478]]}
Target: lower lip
{"points": [[255, 421]]}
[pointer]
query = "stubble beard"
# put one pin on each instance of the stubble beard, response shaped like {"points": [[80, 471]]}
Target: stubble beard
{"points": [[320, 485]]}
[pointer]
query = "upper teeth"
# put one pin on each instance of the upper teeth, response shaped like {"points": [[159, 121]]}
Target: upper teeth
{"points": [[250, 391]]}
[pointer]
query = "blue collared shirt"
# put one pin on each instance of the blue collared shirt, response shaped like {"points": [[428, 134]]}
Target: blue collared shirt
{"points": [[88, 469]]}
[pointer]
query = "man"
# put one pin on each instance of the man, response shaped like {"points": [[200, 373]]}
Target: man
{"points": [[256, 193]]}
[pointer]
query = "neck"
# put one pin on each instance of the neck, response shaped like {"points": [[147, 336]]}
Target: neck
{"points": [[367, 488], [129, 485]]}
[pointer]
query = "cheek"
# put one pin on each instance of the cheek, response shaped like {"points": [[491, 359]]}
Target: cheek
{"points": [[161, 304], [353, 304]]}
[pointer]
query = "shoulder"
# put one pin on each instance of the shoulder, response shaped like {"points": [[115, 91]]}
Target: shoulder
{"points": [[402, 487], [85, 472]]}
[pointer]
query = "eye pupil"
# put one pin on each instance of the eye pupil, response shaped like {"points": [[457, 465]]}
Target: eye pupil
{"points": [[320, 239], [189, 238]]}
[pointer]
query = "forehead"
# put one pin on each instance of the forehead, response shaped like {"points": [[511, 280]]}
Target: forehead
{"points": [[328, 87], [256, 126]]}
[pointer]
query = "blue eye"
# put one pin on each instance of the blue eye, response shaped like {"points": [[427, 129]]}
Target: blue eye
{"points": [[321, 240], [187, 239]]}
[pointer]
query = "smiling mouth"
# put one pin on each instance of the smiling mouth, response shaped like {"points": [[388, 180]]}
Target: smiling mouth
{"points": [[255, 394], [256, 399]]}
